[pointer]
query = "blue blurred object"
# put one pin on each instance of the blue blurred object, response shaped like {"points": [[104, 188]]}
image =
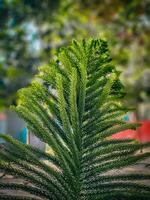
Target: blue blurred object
{"points": [[22, 136], [126, 118]]}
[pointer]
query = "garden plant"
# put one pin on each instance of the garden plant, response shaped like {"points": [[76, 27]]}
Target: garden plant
{"points": [[74, 105]]}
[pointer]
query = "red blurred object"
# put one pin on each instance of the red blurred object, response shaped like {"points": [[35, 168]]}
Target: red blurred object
{"points": [[2, 117], [142, 133], [128, 134]]}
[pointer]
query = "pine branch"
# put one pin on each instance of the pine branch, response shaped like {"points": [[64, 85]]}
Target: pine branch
{"points": [[75, 105]]}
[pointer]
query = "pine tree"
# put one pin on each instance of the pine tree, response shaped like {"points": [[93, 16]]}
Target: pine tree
{"points": [[74, 105]]}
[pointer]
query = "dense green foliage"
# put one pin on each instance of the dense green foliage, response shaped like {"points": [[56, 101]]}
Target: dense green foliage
{"points": [[31, 32], [74, 106], [18, 38]]}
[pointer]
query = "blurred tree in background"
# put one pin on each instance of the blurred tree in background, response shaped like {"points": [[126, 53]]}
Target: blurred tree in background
{"points": [[31, 31], [20, 22]]}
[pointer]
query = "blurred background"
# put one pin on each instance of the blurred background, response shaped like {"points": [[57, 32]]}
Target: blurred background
{"points": [[32, 31]]}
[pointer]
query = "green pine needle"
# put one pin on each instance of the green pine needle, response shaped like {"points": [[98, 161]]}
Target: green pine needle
{"points": [[74, 106]]}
